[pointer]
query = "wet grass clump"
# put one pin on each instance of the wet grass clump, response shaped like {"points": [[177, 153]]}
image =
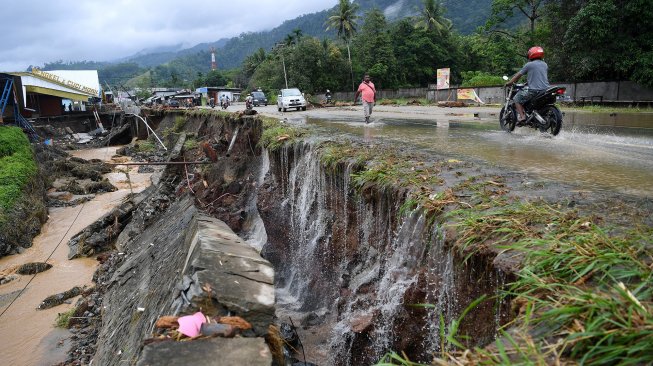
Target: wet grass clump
{"points": [[63, 319], [276, 134]]}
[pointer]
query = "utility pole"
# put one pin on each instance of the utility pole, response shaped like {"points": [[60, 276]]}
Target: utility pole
{"points": [[280, 47], [285, 77]]}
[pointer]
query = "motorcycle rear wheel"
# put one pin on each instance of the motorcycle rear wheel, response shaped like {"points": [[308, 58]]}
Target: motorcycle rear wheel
{"points": [[553, 117], [508, 120]]}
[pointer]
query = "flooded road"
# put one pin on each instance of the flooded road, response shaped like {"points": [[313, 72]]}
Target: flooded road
{"points": [[604, 151], [28, 336]]}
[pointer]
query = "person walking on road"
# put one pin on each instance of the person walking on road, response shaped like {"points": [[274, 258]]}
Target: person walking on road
{"points": [[368, 92]]}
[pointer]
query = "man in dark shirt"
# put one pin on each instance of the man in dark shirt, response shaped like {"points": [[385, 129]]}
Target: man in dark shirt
{"points": [[537, 73]]}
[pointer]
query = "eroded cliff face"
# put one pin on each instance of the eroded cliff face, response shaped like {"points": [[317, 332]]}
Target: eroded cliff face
{"points": [[355, 260]]}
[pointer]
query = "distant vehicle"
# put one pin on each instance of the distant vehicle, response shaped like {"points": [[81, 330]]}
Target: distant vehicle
{"points": [[174, 103], [259, 98], [291, 98]]}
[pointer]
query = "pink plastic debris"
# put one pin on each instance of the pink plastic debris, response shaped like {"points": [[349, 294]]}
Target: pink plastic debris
{"points": [[190, 325]]}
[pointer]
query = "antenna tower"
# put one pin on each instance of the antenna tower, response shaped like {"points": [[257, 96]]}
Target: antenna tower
{"points": [[214, 65]]}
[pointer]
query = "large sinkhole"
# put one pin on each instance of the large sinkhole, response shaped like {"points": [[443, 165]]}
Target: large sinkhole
{"points": [[361, 273]]}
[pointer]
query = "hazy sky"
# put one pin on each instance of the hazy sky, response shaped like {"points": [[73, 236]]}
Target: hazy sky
{"points": [[39, 31]]}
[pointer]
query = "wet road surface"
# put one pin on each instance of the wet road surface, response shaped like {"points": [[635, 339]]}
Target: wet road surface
{"points": [[595, 151]]}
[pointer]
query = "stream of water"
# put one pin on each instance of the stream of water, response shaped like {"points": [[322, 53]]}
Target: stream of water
{"points": [[28, 336], [604, 151]]}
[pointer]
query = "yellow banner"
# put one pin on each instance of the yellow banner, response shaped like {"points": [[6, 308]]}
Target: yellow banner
{"points": [[468, 94]]}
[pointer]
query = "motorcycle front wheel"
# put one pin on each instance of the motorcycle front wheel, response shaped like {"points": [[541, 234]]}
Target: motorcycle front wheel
{"points": [[507, 120], [553, 118]]}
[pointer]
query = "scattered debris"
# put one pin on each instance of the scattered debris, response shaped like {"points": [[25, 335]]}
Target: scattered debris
{"points": [[58, 299], [33, 268], [190, 325]]}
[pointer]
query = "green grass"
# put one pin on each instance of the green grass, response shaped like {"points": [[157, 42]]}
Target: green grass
{"points": [[606, 109], [180, 122], [63, 319], [17, 166], [276, 134], [586, 287], [190, 144], [404, 101], [146, 146]]}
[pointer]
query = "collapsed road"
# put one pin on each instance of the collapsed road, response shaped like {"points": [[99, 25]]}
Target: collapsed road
{"points": [[355, 230]]}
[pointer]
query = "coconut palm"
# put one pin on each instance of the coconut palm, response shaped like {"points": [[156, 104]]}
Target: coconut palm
{"points": [[289, 40], [343, 19], [432, 18], [297, 34]]}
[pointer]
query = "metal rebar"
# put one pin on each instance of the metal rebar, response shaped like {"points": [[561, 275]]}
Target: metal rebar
{"points": [[162, 163]]}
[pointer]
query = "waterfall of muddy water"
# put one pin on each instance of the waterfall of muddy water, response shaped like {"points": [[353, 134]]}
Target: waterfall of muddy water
{"points": [[28, 336], [254, 231], [359, 265]]}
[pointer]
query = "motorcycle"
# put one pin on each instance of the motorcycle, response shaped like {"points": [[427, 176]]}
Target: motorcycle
{"points": [[211, 103], [541, 112], [249, 104], [225, 104]]}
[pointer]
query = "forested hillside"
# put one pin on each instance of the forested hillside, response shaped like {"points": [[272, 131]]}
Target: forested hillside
{"points": [[186, 64], [403, 43]]}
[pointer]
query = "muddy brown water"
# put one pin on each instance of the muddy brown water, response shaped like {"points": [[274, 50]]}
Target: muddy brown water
{"points": [[594, 151], [28, 336]]}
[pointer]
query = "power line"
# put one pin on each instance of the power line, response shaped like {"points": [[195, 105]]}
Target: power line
{"points": [[50, 256]]}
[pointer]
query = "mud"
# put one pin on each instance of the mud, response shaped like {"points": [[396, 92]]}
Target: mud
{"points": [[28, 336]]}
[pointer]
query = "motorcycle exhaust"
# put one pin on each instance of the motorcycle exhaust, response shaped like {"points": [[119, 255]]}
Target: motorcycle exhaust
{"points": [[539, 118]]}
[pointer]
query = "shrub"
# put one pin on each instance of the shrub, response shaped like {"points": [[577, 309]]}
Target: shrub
{"points": [[17, 165], [480, 78]]}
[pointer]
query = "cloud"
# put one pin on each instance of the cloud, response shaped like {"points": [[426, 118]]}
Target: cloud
{"points": [[46, 31]]}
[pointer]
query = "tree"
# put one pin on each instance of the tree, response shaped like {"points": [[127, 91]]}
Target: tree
{"points": [[502, 10], [289, 40], [344, 21], [376, 55], [601, 39], [297, 34], [432, 18], [215, 78]]}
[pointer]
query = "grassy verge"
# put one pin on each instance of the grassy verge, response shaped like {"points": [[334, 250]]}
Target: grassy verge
{"points": [[17, 167], [605, 109], [583, 292]]}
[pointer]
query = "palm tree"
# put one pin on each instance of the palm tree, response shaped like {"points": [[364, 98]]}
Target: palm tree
{"points": [[289, 40], [432, 18], [344, 19], [298, 34]]}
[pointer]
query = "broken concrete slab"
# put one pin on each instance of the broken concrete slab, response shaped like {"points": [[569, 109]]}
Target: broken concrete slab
{"points": [[205, 352], [227, 270]]}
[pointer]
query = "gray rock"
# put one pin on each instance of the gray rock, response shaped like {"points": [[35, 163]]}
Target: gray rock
{"points": [[205, 352]]}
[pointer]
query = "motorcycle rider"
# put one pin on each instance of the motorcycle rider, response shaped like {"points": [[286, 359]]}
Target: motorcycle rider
{"points": [[328, 96], [249, 101], [537, 75]]}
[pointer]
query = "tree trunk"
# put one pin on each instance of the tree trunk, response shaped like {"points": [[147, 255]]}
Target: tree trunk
{"points": [[351, 68]]}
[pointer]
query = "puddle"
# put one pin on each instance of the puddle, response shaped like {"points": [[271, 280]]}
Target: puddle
{"points": [[28, 336], [587, 153]]}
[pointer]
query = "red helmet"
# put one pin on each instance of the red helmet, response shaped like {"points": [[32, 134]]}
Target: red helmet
{"points": [[535, 52]]}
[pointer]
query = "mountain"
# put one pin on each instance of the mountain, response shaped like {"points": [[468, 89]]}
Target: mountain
{"points": [[465, 15]]}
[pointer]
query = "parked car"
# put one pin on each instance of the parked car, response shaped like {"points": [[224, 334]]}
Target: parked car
{"points": [[291, 98], [259, 98], [173, 103]]}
